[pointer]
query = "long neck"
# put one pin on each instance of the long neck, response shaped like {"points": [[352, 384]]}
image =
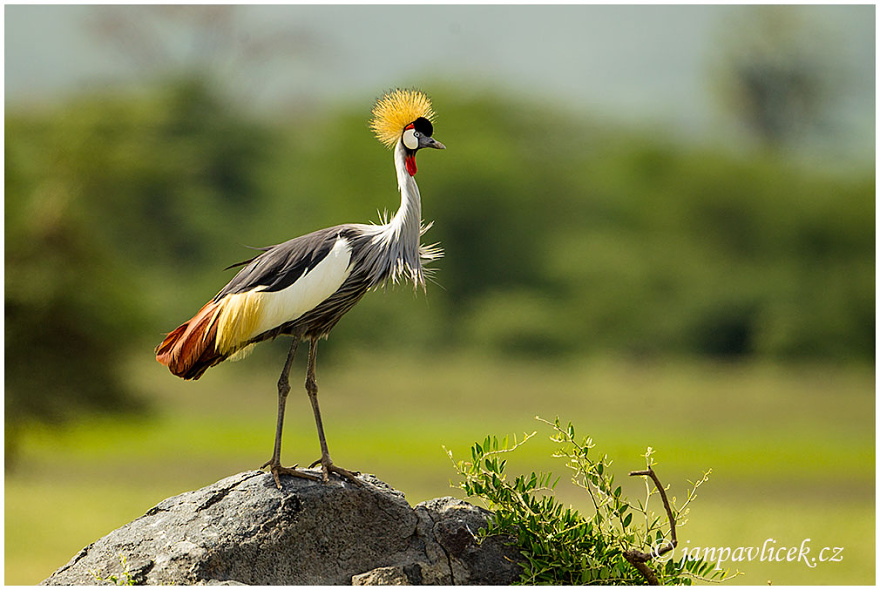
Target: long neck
{"points": [[409, 217], [399, 237]]}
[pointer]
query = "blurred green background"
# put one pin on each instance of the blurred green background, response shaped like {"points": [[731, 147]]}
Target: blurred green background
{"points": [[668, 241]]}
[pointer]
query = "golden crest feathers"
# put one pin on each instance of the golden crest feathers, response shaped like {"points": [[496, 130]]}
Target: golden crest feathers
{"points": [[397, 109]]}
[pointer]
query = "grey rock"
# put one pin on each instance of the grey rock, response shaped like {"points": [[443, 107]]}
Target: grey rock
{"points": [[244, 530], [382, 576]]}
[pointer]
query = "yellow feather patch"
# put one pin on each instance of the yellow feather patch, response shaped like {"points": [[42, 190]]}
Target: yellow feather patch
{"points": [[238, 319], [397, 109]]}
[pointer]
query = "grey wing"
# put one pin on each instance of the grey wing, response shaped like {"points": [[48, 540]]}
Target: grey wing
{"points": [[280, 266]]}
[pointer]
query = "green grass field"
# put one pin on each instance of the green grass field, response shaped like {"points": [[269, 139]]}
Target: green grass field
{"points": [[791, 448]]}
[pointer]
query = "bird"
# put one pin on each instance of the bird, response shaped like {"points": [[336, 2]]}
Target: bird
{"points": [[302, 287]]}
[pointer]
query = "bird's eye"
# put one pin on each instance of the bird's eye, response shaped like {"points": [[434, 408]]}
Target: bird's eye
{"points": [[411, 139]]}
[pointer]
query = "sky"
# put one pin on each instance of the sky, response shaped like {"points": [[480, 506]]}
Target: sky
{"points": [[648, 63]]}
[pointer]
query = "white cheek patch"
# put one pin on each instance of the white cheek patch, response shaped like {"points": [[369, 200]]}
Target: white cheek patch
{"points": [[410, 140]]}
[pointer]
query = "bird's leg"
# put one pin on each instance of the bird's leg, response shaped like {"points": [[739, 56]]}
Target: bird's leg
{"points": [[312, 390], [274, 464]]}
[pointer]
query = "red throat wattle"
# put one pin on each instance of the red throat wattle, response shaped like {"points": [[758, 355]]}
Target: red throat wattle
{"points": [[411, 164]]}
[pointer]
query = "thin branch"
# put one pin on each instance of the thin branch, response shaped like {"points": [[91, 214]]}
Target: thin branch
{"points": [[639, 559], [674, 541]]}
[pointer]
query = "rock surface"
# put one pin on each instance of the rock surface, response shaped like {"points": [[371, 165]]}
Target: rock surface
{"points": [[244, 530]]}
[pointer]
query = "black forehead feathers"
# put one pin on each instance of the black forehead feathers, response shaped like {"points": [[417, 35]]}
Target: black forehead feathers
{"points": [[423, 126]]}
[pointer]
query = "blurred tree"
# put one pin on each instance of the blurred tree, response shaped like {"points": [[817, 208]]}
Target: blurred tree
{"points": [[67, 312], [111, 202], [776, 73]]}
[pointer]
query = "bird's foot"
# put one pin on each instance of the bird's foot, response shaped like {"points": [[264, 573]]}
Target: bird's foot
{"points": [[328, 467], [278, 470]]}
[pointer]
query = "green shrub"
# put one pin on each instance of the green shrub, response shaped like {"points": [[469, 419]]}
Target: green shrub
{"points": [[621, 543]]}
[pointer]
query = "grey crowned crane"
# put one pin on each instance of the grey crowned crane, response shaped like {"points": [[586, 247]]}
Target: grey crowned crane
{"points": [[303, 287]]}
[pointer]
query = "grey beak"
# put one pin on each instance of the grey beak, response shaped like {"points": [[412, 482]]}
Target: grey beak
{"points": [[426, 141]]}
